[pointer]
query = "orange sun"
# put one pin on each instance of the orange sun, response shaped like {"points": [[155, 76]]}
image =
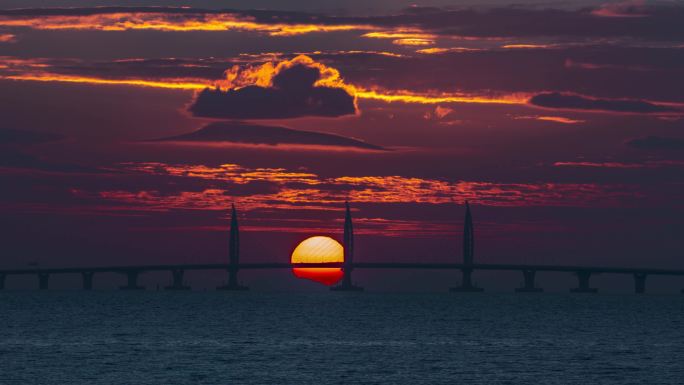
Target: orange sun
{"points": [[318, 249]]}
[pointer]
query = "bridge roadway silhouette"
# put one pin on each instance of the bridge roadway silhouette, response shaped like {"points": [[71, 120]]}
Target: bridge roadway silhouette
{"points": [[132, 272], [529, 271]]}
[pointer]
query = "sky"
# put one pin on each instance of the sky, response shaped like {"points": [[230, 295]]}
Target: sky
{"points": [[128, 128]]}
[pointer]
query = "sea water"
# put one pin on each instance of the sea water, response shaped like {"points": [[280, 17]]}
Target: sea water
{"points": [[111, 337]]}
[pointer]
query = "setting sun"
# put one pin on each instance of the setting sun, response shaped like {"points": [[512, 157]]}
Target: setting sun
{"points": [[318, 249]]}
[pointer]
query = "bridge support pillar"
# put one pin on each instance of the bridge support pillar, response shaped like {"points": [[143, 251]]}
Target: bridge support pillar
{"points": [[232, 284], [2, 281], [639, 283], [583, 279], [346, 284], [132, 281], [529, 287], [43, 279], [177, 275], [467, 283], [87, 280]]}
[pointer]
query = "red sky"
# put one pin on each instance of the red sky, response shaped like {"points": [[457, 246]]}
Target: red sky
{"points": [[126, 132]]}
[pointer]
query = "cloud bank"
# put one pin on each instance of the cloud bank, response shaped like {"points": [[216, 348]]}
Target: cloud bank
{"points": [[238, 132], [290, 89], [657, 143], [570, 101]]}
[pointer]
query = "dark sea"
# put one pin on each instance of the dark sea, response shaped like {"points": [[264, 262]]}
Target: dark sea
{"points": [[111, 337]]}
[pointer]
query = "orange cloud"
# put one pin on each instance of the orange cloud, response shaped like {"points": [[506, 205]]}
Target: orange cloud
{"points": [[237, 78], [413, 42], [529, 46], [439, 113], [442, 112], [262, 75], [407, 96], [160, 21], [176, 84], [557, 119], [308, 190], [633, 8], [7, 38], [400, 34], [435, 50]]}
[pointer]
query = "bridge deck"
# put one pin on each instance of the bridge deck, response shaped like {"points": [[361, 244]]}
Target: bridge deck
{"points": [[357, 265]]}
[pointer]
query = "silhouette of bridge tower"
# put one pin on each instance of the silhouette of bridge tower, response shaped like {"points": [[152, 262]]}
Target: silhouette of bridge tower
{"points": [[348, 243], [468, 255], [233, 254]]}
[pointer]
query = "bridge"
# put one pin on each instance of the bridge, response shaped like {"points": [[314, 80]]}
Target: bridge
{"points": [[466, 268]]}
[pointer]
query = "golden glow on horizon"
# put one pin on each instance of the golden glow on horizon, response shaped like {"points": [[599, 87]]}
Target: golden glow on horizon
{"points": [[318, 249]]}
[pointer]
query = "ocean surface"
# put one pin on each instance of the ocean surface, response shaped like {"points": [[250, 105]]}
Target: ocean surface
{"points": [[113, 337]]}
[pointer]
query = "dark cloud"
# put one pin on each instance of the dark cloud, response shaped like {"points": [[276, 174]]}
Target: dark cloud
{"points": [[261, 15], [10, 136], [579, 102], [18, 151], [237, 132], [657, 143], [660, 21], [158, 68], [15, 158], [293, 94]]}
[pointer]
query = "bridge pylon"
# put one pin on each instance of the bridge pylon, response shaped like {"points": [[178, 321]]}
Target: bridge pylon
{"points": [[468, 256], [640, 283], [583, 280], [529, 286], [177, 277], [87, 280], [233, 255], [132, 281], [43, 279], [348, 265]]}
